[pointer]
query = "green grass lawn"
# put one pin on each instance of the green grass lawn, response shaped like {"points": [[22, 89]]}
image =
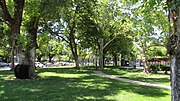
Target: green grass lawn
{"points": [[65, 84], [139, 75]]}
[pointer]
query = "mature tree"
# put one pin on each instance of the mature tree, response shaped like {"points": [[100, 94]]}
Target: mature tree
{"points": [[34, 12], [65, 26], [174, 47], [147, 24], [13, 18], [102, 24], [26, 41], [120, 46]]}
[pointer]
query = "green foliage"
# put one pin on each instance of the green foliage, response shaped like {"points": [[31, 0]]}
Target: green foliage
{"points": [[172, 4], [23, 40], [32, 8], [154, 68], [54, 47], [48, 45], [151, 27], [121, 45], [157, 51], [104, 20], [10, 6], [93, 20], [4, 40], [158, 67], [51, 9]]}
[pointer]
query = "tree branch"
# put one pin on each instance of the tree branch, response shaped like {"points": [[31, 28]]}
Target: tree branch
{"points": [[156, 45], [2, 20], [109, 42], [6, 12], [55, 33], [19, 4]]}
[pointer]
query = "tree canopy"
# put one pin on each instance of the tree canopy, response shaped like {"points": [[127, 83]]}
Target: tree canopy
{"points": [[85, 27]]}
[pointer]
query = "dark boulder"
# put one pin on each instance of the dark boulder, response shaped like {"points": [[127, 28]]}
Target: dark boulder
{"points": [[21, 71]]}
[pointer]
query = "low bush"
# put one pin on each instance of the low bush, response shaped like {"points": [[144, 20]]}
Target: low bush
{"points": [[159, 67], [154, 68]]}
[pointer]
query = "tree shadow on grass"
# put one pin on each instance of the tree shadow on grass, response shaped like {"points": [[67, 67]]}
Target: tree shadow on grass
{"points": [[56, 88]]}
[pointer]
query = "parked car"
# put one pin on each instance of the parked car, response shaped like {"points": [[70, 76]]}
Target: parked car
{"points": [[39, 65], [48, 64], [125, 63], [3, 64], [15, 64], [57, 64]]}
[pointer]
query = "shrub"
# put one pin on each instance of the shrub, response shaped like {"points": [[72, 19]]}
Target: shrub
{"points": [[156, 67], [165, 68]]}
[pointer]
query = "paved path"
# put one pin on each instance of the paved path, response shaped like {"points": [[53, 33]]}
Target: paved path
{"points": [[132, 81]]}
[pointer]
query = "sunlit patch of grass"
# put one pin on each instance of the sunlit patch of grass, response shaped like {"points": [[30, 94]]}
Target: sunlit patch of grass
{"points": [[2, 92], [85, 97], [67, 67], [47, 74], [9, 77]]}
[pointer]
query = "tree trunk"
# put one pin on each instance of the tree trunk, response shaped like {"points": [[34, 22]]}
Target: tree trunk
{"points": [[50, 57], [134, 61], [31, 49], [146, 66], [101, 60], [115, 59], [96, 60], [75, 56], [39, 57], [27, 57], [101, 48], [15, 30], [12, 54], [31, 60], [104, 62], [14, 22], [119, 60], [174, 51], [73, 47], [89, 62], [77, 62]]}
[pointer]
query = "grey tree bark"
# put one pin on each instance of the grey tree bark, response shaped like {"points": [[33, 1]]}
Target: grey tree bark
{"points": [[73, 46], [101, 48], [174, 49], [175, 60], [27, 57]]}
